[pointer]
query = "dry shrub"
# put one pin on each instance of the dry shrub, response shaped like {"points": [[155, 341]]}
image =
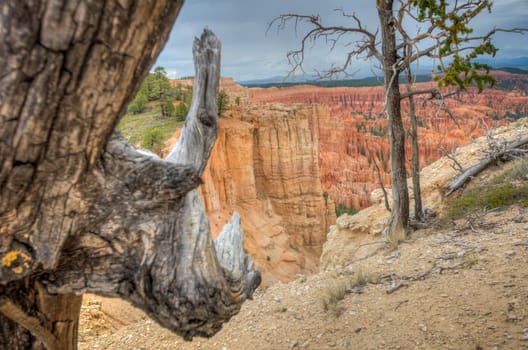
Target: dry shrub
{"points": [[332, 295]]}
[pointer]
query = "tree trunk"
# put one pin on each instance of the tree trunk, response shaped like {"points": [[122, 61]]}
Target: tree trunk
{"points": [[415, 160], [80, 210], [400, 204], [53, 319]]}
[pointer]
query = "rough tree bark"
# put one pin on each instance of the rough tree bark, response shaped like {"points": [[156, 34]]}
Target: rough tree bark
{"points": [[419, 215], [399, 220], [80, 210]]}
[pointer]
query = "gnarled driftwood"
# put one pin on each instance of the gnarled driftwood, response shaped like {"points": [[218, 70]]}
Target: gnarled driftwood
{"points": [[80, 210]]}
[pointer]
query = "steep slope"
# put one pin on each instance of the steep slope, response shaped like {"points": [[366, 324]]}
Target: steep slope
{"points": [[345, 239], [479, 304], [461, 288], [265, 166], [276, 160]]}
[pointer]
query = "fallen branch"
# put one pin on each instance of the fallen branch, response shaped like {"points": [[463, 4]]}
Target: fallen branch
{"points": [[401, 303], [434, 269], [483, 164], [395, 287], [450, 256], [457, 166]]}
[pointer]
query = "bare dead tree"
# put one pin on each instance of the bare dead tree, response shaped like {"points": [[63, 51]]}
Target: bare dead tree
{"points": [[444, 33], [80, 210]]}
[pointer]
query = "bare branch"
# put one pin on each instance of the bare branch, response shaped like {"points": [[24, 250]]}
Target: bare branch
{"points": [[365, 46], [380, 181], [457, 166]]}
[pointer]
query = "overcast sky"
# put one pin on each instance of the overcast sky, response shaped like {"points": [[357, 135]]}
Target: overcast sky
{"points": [[248, 52]]}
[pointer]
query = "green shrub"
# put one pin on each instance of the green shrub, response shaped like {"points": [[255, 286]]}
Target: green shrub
{"points": [[508, 188], [341, 209], [138, 104], [166, 108], [153, 140], [223, 102], [181, 111], [518, 171], [134, 127]]}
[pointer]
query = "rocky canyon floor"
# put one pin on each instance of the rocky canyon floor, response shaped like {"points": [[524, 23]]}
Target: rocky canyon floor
{"points": [[462, 287]]}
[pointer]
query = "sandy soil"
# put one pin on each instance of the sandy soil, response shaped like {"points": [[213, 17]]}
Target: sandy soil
{"points": [[464, 287]]}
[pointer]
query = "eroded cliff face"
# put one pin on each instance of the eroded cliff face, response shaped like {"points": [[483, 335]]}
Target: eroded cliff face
{"points": [[353, 132], [265, 166], [279, 150]]}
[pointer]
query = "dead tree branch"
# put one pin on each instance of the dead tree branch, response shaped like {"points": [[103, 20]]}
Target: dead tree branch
{"points": [[365, 46], [504, 150], [380, 180], [124, 224]]}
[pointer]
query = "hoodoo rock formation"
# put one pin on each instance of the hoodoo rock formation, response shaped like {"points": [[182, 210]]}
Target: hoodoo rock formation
{"points": [[352, 136], [284, 156]]}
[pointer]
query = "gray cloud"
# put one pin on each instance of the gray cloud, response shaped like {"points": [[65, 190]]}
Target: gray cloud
{"points": [[249, 53]]}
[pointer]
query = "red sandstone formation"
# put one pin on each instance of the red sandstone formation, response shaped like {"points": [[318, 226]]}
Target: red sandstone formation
{"points": [[265, 166], [279, 149], [353, 133]]}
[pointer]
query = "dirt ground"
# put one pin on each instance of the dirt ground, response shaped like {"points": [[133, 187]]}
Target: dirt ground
{"points": [[464, 287]]}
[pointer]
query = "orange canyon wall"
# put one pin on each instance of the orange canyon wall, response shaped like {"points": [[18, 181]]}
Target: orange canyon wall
{"points": [[281, 148]]}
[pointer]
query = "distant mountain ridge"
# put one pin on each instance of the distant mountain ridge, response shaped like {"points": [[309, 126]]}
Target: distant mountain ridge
{"points": [[517, 65]]}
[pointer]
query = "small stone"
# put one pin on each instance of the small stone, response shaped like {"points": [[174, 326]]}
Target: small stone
{"points": [[422, 327], [525, 334]]}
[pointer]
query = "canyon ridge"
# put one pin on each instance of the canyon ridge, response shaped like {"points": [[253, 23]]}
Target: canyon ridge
{"points": [[286, 157]]}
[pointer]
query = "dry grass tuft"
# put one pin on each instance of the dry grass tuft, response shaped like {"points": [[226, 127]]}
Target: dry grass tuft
{"points": [[331, 296]]}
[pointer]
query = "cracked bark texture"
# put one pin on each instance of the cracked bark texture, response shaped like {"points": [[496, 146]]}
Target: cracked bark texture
{"points": [[399, 220], [80, 210]]}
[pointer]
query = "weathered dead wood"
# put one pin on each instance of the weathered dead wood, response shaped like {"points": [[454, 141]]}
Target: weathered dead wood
{"points": [[59, 329], [154, 248], [475, 169], [81, 211], [401, 303], [394, 287], [434, 269], [380, 180]]}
